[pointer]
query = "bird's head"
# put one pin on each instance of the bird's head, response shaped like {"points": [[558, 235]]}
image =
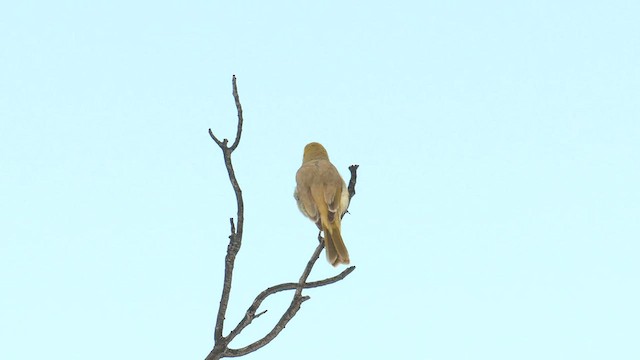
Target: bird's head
{"points": [[314, 151]]}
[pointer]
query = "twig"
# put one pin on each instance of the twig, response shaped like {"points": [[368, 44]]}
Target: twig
{"points": [[235, 239], [353, 169]]}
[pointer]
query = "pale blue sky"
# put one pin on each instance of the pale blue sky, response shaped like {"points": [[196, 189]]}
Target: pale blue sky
{"points": [[498, 207]]}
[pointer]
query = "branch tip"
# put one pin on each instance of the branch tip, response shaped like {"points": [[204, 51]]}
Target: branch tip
{"points": [[233, 226], [353, 169]]}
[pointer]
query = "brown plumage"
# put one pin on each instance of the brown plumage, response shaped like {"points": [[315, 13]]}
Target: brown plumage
{"points": [[323, 197]]}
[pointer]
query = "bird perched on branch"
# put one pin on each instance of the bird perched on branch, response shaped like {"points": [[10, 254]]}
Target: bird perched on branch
{"points": [[323, 197]]}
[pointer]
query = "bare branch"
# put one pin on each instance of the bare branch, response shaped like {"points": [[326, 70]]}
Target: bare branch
{"points": [[222, 144], [296, 302], [235, 239], [236, 142], [236, 97], [260, 314], [353, 169], [251, 311]]}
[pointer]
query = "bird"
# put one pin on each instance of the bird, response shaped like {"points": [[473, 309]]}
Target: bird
{"points": [[322, 196]]}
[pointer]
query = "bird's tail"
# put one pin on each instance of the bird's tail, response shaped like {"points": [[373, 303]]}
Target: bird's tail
{"points": [[334, 246]]}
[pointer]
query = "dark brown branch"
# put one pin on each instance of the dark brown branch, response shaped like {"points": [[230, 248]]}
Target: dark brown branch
{"points": [[251, 311], [236, 98], [235, 239], [236, 142], [223, 351], [296, 302], [259, 314], [353, 169]]}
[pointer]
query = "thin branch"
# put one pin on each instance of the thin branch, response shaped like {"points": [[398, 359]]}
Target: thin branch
{"points": [[236, 142], [260, 314], [353, 169], [250, 314], [236, 97], [235, 239], [296, 302]]}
